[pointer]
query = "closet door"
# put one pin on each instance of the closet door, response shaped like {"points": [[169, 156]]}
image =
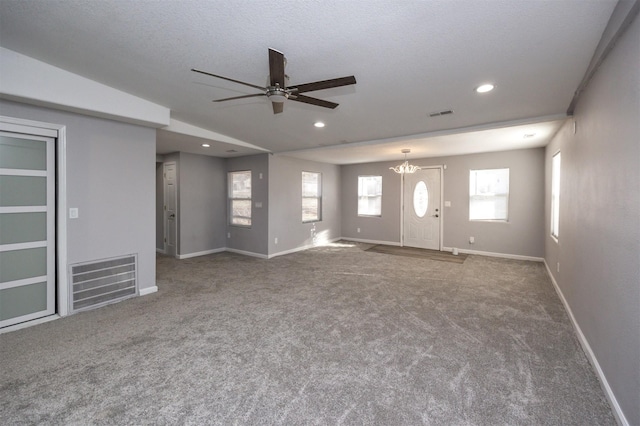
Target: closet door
{"points": [[27, 227]]}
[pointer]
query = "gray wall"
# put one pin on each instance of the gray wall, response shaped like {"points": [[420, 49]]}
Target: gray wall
{"points": [[599, 241], [203, 211], [111, 180], [285, 204], [522, 235], [383, 229], [255, 238]]}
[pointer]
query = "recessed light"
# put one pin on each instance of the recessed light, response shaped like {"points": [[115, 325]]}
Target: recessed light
{"points": [[318, 124], [205, 145], [484, 88]]}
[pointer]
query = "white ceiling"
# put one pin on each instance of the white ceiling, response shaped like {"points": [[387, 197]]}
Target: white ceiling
{"points": [[410, 58]]}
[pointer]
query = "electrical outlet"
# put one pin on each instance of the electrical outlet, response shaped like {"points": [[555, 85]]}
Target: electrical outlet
{"points": [[558, 267], [228, 234], [358, 230], [472, 240], [276, 240]]}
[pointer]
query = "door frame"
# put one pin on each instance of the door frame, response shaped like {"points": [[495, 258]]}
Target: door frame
{"points": [[59, 132], [441, 210]]}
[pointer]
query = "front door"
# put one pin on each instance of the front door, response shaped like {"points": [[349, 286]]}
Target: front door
{"points": [[422, 213], [27, 228], [170, 209]]}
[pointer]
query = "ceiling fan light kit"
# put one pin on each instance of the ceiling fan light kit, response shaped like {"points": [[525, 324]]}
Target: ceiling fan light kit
{"points": [[277, 92]]}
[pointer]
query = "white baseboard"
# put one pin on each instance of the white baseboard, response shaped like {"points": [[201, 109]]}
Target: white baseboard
{"points": [[617, 411], [200, 253], [360, 240], [148, 290], [493, 254], [161, 251], [301, 248], [247, 253]]}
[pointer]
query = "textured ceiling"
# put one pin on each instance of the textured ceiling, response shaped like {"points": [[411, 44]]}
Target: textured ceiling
{"points": [[410, 58]]}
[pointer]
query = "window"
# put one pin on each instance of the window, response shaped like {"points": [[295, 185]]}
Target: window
{"points": [[369, 195], [555, 195], [489, 194], [311, 197], [240, 198]]}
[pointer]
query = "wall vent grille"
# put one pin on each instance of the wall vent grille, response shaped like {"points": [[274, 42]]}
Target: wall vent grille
{"points": [[104, 281]]}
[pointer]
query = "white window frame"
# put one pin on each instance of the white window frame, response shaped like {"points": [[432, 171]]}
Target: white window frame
{"points": [[556, 163], [311, 194], [365, 197], [237, 220], [483, 190]]}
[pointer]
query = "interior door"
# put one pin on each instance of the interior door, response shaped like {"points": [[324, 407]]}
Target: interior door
{"points": [[27, 228], [422, 212], [170, 209]]}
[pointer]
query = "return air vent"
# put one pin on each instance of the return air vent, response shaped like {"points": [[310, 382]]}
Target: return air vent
{"points": [[439, 113], [104, 281]]}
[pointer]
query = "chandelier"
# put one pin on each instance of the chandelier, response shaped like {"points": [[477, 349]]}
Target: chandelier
{"points": [[405, 167]]}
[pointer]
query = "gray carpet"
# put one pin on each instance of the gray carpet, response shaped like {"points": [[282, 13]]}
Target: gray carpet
{"points": [[332, 335]]}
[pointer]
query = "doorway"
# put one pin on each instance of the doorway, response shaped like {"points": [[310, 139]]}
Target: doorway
{"points": [[422, 209], [170, 209]]}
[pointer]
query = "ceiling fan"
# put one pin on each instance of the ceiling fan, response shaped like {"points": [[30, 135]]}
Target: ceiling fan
{"points": [[277, 91]]}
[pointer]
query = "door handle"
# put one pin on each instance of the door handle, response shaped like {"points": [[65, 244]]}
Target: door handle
{"points": [[173, 216]]}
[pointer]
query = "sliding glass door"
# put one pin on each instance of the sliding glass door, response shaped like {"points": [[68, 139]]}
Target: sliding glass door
{"points": [[27, 227]]}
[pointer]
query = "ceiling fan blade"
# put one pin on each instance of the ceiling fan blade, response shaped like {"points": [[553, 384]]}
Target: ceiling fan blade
{"points": [[324, 84], [240, 97], [276, 68], [278, 107], [228, 79], [313, 101]]}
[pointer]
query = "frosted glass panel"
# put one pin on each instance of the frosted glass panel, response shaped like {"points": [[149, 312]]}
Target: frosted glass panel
{"points": [[22, 227], [420, 199], [23, 300], [21, 264], [23, 191], [23, 154]]}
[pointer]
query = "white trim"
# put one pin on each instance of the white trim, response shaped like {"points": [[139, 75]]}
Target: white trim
{"points": [[148, 290], [493, 254], [247, 253], [26, 324], [24, 209], [61, 222], [302, 248], [24, 281], [23, 246], [161, 251], [360, 240], [199, 253], [23, 172], [617, 411]]}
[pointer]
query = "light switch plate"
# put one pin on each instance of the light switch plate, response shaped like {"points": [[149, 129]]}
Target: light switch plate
{"points": [[73, 213]]}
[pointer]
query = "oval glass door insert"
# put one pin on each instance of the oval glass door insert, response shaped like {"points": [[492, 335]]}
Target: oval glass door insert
{"points": [[420, 199]]}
